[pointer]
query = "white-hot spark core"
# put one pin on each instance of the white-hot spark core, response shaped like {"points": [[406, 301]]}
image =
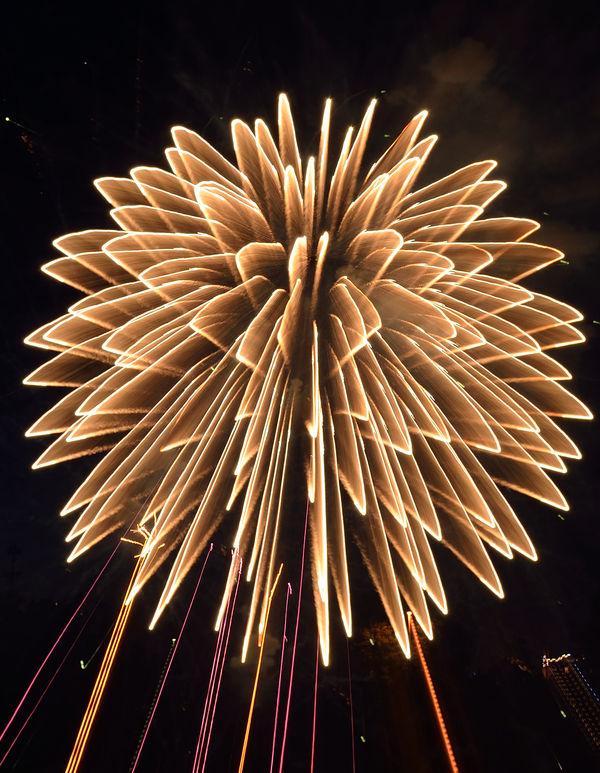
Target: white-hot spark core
{"points": [[248, 324]]}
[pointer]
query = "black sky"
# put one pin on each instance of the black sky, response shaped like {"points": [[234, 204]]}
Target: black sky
{"points": [[92, 91]]}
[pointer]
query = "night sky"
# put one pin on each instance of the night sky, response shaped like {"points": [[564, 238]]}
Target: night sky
{"points": [[88, 92]]}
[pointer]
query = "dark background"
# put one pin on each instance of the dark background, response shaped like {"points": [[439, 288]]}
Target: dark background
{"points": [[92, 91]]}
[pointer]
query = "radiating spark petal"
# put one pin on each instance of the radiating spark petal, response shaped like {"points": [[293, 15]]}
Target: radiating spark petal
{"points": [[246, 315]]}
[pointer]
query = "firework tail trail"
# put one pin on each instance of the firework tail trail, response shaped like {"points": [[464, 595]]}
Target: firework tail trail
{"points": [[214, 709], [283, 643], [102, 678], [85, 664], [210, 703], [209, 693], [210, 688], [54, 646], [256, 678], [172, 657], [47, 687], [432, 693], [64, 630], [351, 707], [314, 728], [289, 697], [150, 712]]}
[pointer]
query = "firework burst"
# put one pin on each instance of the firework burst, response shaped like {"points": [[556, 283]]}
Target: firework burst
{"points": [[241, 315]]}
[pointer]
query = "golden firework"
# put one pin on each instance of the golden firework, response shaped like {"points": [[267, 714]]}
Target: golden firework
{"points": [[240, 315]]}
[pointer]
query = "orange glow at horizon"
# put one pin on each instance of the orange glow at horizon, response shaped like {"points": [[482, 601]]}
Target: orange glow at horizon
{"points": [[240, 316]]}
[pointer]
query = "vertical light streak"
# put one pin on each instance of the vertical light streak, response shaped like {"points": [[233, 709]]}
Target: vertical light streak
{"points": [[314, 727], [210, 691], [281, 468], [155, 698], [256, 678], [172, 657], [212, 718], [283, 643], [102, 678], [289, 696], [266, 552], [231, 579], [438, 712], [214, 682], [351, 707]]}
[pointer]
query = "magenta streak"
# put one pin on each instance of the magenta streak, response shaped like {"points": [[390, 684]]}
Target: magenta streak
{"points": [[289, 697], [187, 614], [39, 700], [351, 708], [209, 693], [64, 630], [211, 685], [312, 750], [283, 642], [222, 666]]}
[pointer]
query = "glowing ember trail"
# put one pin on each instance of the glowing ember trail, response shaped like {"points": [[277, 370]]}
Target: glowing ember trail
{"points": [[214, 683], [101, 679], [257, 676], [61, 635], [171, 657], [283, 643], [240, 317], [434, 700]]}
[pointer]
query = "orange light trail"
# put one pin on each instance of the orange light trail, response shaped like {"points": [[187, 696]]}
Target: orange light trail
{"points": [[102, 678], [50, 652], [256, 678], [438, 712]]}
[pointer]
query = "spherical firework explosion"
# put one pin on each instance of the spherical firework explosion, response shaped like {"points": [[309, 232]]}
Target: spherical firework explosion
{"points": [[243, 315]]}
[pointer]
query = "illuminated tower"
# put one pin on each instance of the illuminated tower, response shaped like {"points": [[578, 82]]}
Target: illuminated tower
{"points": [[575, 695]]}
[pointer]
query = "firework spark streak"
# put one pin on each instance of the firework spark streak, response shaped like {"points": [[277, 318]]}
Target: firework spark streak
{"points": [[242, 315], [214, 686], [434, 699], [101, 680], [172, 654], [283, 643], [257, 676]]}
